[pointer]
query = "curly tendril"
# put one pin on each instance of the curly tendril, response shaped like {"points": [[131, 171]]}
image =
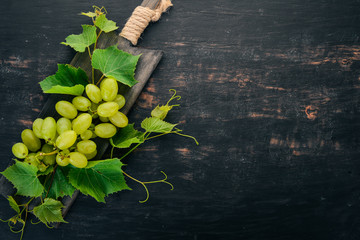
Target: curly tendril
{"points": [[34, 223], [144, 184], [98, 10], [173, 97]]}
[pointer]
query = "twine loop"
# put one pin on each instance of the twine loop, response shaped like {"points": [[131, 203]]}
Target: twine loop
{"points": [[140, 19]]}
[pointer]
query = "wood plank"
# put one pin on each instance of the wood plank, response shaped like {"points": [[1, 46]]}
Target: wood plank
{"points": [[146, 65]]}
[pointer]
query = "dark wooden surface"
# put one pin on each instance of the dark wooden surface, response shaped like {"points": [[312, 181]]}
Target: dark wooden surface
{"points": [[269, 88]]}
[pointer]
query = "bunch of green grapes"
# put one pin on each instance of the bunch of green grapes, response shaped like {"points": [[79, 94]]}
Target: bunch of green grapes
{"points": [[69, 140]]}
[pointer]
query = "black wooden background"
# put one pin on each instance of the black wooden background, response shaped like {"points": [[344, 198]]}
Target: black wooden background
{"points": [[269, 88]]}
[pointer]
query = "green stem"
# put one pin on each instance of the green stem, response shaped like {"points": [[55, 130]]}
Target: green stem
{"points": [[21, 205], [175, 132], [137, 145], [23, 228], [130, 151], [184, 135], [97, 39], [159, 135], [26, 215], [48, 154], [92, 68], [30, 201], [46, 179], [88, 48], [112, 151], [100, 79]]}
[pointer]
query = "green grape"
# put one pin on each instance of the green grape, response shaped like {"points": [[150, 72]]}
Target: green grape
{"points": [[119, 120], [66, 139], [42, 167], [93, 93], [94, 107], [62, 159], [94, 116], [78, 159], [56, 136], [48, 159], [105, 130], [31, 141], [39, 157], [93, 134], [86, 146], [108, 89], [82, 123], [46, 148], [32, 159], [120, 100], [81, 103], [86, 135], [37, 127], [107, 109], [62, 125], [91, 155], [20, 150], [66, 109], [48, 129], [104, 119], [66, 152]]}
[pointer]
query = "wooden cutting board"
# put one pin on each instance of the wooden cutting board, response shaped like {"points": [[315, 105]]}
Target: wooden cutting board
{"points": [[146, 65]]}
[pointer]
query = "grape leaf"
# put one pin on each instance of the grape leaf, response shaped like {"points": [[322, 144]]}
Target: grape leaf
{"points": [[81, 41], [67, 80], [13, 204], [157, 125], [60, 185], [23, 177], [99, 178], [104, 24], [117, 64], [49, 211], [89, 14], [161, 112], [127, 136]]}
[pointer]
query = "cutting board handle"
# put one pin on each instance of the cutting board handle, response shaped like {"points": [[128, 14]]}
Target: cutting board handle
{"points": [[148, 11]]}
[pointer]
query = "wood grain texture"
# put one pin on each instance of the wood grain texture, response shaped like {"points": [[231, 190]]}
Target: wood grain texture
{"points": [[269, 88]]}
